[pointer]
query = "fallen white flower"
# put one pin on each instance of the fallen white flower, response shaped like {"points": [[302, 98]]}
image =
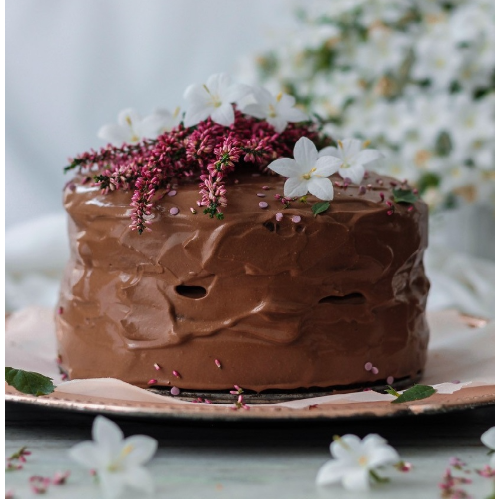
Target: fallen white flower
{"points": [[118, 462], [355, 460], [488, 439], [307, 172], [353, 158]]}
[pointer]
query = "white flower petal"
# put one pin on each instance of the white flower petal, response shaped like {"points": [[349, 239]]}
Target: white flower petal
{"points": [[278, 123], [236, 92], [263, 97], [332, 472], [287, 167], [107, 435], [196, 113], [350, 147], [112, 483], [305, 153], [326, 166], [488, 438], [321, 187], [128, 117], [197, 93], [357, 479], [294, 115], [219, 83], [371, 441], [295, 186], [115, 134], [330, 151], [140, 449], [382, 455], [87, 454], [345, 447], [367, 155], [140, 478], [223, 115], [286, 101], [355, 173], [254, 110]]}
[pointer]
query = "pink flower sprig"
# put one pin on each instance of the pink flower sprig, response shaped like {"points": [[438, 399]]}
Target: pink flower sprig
{"points": [[450, 487], [208, 151]]}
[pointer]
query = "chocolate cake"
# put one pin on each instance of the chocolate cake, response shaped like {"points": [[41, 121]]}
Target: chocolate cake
{"points": [[268, 298], [194, 266]]}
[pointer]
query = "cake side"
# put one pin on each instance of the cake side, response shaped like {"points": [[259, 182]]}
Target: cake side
{"points": [[279, 304]]}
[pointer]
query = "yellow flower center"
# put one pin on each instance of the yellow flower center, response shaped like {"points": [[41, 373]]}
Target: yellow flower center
{"points": [[272, 111], [216, 102], [362, 461], [309, 174]]}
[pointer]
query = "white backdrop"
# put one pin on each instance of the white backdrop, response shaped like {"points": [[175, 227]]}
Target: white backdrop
{"points": [[72, 65]]}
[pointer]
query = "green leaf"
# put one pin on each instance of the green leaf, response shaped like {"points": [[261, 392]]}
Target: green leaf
{"points": [[415, 393], [404, 195], [320, 207], [392, 391], [28, 382]]}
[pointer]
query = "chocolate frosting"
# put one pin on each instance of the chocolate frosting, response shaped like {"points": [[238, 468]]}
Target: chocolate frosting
{"points": [[280, 304]]}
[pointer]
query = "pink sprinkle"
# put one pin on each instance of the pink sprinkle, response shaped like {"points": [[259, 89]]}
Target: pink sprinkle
{"points": [[366, 389], [362, 190], [368, 186], [60, 477], [347, 181], [198, 203], [176, 374], [266, 188], [175, 391], [390, 212], [157, 366], [375, 370], [172, 193], [261, 195], [338, 184], [390, 380], [455, 381], [60, 310], [388, 203], [263, 204], [193, 211], [392, 183], [380, 182], [64, 376], [174, 211], [410, 208], [153, 381], [296, 219], [236, 181], [382, 196], [218, 364], [368, 366], [279, 216], [208, 402]]}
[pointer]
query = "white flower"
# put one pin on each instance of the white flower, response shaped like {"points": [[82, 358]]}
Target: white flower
{"points": [[352, 158], [278, 110], [161, 121], [355, 460], [130, 128], [307, 172], [488, 439], [213, 100], [118, 462]]}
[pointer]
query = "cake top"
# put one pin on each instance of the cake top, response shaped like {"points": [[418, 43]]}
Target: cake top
{"points": [[227, 129]]}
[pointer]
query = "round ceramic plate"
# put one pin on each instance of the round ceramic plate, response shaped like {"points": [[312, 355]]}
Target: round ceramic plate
{"points": [[438, 403]]}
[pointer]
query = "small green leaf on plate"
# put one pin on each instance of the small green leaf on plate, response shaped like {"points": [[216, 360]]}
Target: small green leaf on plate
{"points": [[404, 195], [392, 391], [28, 382], [415, 393], [320, 207]]}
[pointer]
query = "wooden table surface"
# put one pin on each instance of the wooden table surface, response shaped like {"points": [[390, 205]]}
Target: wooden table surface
{"points": [[271, 460]]}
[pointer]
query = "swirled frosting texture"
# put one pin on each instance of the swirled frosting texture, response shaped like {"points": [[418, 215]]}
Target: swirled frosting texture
{"points": [[281, 305]]}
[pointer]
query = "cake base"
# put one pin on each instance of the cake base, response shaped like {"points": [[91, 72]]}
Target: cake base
{"points": [[274, 396]]}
